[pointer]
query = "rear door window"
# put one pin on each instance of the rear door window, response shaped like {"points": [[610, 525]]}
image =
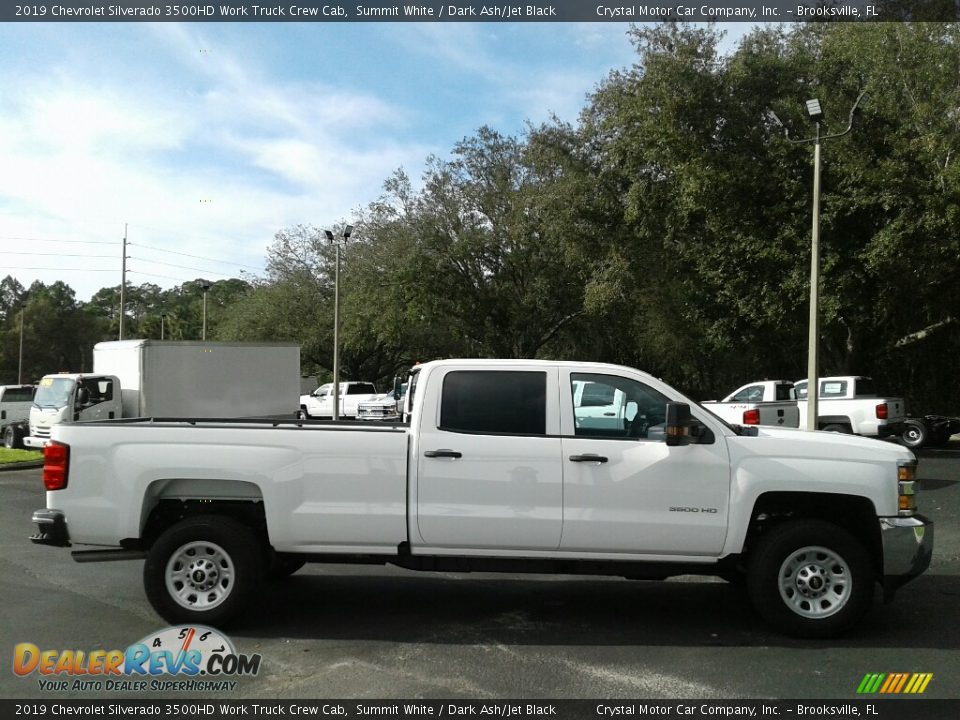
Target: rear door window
{"points": [[494, 401]]}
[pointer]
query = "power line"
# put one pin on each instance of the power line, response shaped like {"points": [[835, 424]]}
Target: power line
{"points": [[198, 257], [167, 277], [183, 267], [68, 269], [15, 252], [36, 239]]}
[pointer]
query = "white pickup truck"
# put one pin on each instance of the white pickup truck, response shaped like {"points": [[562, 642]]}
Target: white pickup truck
{"points": [[15, 404], [319, 403], [768, 402], [850, 404], [530, 482]]}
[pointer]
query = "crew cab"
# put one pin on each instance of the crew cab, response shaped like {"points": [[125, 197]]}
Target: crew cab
{"points": [[767, 402], [850, 404], [504, 465]]}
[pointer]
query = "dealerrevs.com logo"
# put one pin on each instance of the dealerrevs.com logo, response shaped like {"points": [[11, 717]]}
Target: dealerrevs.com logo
{"points": [[186, 658]]}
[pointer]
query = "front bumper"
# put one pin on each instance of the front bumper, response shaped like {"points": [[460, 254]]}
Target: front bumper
{"points": [[907, 549], [35, 442], [51, 528]]}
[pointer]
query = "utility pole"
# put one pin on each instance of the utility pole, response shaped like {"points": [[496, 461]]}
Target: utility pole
{"points": [[123, 279], [815, 111], [23, 308]]}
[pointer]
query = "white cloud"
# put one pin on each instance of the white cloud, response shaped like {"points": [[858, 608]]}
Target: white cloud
{"points": [[212, 163]]}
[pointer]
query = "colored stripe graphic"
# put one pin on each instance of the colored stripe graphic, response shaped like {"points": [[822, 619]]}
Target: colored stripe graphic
{"points": [[894, 683]]}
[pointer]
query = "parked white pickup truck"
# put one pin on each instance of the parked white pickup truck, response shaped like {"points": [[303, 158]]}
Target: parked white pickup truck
{"points": [[15, 404], [768, 402], [319, 403], [850, 404], [530, 483]]}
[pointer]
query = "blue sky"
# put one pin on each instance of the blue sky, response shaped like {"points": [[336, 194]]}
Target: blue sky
{"points": [[208, 138]]}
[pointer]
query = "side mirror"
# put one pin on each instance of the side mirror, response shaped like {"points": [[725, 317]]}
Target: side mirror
{"points": [[83, 396], [678, 424], [396, 387]]}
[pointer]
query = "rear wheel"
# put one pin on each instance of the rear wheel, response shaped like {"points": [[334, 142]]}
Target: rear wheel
{"points": [[837, 427], [915, 434], [203, 570], [810, 578], [9, 437]]}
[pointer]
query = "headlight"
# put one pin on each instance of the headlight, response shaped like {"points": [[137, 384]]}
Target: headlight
{"points": [[907, 487]]}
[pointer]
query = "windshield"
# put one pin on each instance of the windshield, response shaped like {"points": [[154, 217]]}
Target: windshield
{"points": [[54, 392]]}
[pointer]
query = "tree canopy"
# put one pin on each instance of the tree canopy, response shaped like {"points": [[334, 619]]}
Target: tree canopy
{"points": [[668, 228]]}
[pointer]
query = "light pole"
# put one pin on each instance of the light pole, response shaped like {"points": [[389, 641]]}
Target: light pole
{"points": [[205, 286], [347, 231], [813, 342], [163, 320], [23, 307]]}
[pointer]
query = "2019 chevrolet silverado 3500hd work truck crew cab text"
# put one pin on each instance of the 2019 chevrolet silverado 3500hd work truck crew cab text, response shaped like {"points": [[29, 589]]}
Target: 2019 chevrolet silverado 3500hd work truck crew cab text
{"points": [[501, 467]]}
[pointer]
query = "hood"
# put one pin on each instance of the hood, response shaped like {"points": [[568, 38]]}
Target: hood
{"points": [[793, 442]]}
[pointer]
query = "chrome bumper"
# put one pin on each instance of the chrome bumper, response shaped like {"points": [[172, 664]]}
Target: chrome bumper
{"points": [[907, 549]]}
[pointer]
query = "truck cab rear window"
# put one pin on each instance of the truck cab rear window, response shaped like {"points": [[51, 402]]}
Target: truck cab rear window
{"points": [[491, 401]]}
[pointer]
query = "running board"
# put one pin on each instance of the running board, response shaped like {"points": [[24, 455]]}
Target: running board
{"points": [[85, 556]]}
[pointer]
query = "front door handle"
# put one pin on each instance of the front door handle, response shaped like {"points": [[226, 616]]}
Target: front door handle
{"points": [[442, 453], [589, 457]]}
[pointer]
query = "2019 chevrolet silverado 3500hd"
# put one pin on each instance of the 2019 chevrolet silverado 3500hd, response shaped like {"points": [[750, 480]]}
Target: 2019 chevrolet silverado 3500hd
{"points": [[504, 465]]}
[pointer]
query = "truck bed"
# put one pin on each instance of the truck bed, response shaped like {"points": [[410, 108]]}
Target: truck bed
{"points": [[327, 486]]}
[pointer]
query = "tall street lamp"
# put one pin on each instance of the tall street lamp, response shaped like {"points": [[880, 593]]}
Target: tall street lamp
{"points": [[347, 231], [23, 307], [163, 320], [815, 111], [205, 286]]}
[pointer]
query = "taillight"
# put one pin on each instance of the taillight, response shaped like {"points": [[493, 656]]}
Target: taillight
{"points": [[882, 411], [56, 459], [751, 417]]}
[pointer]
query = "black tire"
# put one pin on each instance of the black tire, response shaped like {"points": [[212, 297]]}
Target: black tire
{"points": [[302, 414], [915, 435], [283, 566], [9, 437], [229, 567], [837, 427], [810, 578]]}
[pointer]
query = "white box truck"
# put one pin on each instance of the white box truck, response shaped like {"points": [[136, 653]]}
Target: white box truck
{"points": [[150, 378]]}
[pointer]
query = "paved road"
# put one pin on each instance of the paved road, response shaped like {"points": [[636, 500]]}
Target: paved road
{"points": [[374, 632]]}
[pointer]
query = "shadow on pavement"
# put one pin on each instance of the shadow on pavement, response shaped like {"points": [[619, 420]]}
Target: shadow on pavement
{"points": [[399, 606]]}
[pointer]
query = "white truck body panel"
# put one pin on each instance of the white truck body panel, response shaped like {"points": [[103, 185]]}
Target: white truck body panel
{"points": [[343, 488]]}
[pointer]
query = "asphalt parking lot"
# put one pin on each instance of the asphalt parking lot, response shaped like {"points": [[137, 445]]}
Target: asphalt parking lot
{"points": [[374, 632]]}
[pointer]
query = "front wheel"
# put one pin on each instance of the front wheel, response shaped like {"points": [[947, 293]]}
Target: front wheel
{"points": [[203, 570], [9, 437], [810, 578]]}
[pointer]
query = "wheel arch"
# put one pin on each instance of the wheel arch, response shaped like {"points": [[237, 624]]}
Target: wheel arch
{"points": [[855, 514], [170, 500]]}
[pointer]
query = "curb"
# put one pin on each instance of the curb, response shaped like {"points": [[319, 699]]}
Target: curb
{"points": [[27, 465]]}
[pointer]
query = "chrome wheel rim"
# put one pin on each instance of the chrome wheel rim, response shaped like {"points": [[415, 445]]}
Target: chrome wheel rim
{"points": [[200, 575], [815, 582]]}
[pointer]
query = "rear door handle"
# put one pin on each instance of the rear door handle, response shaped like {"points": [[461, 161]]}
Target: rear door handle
{"points": [[442, 453], [589, 457]]}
